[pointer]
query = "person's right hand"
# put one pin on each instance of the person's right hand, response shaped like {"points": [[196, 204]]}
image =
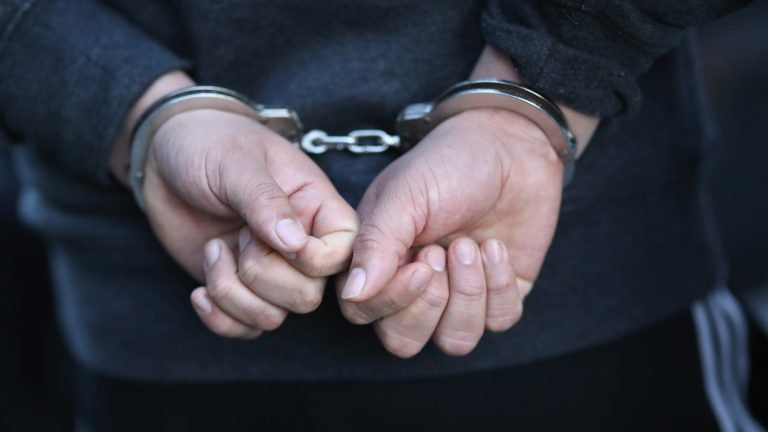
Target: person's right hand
{"points": [[213, 176]]}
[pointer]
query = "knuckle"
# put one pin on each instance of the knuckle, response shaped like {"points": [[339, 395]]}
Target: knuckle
{"points": [[403, 347], [249, 273], [263, 195], [271, 318], [469, 291], [393, 302], [307, 299], [504, 317], [372, 237], [220, 291], [354, 314], [436, 297], [369, 238], [314, 267], [456, 343]]}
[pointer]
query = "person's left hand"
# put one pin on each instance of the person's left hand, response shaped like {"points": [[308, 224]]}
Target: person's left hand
{"points": [[486, 185]]}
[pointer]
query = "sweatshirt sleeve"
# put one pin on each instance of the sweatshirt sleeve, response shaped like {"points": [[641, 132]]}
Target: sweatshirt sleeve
{"points": [[70, 70], [589, 54]]}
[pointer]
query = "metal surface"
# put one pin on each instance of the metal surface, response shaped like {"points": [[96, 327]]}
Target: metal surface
{"points": [[413, 123], [282, 121], [417, 120], [363, 141]]}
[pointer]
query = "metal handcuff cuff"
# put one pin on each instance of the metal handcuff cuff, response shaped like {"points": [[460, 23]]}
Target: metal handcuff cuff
{"points": [[413, 123]]}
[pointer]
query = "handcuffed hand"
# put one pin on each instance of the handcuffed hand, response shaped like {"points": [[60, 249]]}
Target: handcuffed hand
{"points": [[486, 185], [270, 222]]}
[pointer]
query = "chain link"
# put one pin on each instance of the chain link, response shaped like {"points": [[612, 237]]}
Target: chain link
{"points": [[363, 141]]}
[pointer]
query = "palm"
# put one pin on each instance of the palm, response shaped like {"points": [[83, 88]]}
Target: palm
{"points": [[183, 229], [464, 181], [195, 181]]}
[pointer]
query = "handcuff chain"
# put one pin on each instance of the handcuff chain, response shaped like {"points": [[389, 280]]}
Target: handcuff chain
{"points": [[413, 123], [362, 141]]}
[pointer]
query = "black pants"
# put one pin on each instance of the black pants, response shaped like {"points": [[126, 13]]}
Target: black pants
{"points": [[647, 381]]}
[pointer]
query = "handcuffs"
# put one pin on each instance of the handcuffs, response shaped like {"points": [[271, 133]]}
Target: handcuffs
{"points": [[413, 123]]}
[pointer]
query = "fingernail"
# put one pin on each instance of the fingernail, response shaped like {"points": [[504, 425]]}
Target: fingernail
{"points": [[493, 251], [436, 259], [245, 238], [418, 279], [201, 302], [212, 253], [290, 232], [292, 256], [465, 251], [355, 284]]}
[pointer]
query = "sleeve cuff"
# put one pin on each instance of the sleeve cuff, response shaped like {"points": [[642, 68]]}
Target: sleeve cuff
{"points": [[71, 72], [584, 82]]}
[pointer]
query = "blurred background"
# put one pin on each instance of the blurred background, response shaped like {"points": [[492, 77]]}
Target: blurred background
{"points": [[35, 370], [735, 62]]}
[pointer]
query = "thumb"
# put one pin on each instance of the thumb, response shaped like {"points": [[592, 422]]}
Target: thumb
{"points": [[263, 204], [389, 223]]}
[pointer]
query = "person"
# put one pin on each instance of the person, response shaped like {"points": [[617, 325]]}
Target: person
{"points": [[442, 243]]}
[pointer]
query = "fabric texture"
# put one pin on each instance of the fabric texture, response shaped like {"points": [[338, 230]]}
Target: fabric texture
{"points": [[70, 72], [629, 249], [589, 54], [650, 380]]}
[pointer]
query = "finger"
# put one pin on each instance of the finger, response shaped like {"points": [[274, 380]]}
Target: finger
{"points": [[504, 305], [405, 333], [328, 218], [409, 283], [217, 321], [463, 322], [231, 296], [268, 275], [525, 286], [333, 229], [388, 227], [324, 256], [262, 203]]}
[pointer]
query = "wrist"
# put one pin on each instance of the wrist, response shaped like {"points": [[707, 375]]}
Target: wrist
{"points": [[511, 138], [506, 123], [494, 63], [119, 158]]}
